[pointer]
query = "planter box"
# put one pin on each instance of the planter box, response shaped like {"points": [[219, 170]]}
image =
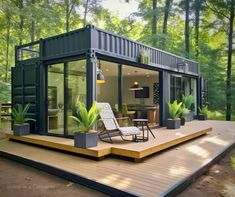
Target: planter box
{"points": [[85, 140], [202, 117], [20, 130], [173, 124], [190, 116], [182, 121]]}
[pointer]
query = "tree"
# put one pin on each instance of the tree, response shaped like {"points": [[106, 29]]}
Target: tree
{"points": [[186, 30], [154, 23], [166, 16], [229, 65], [197, 21]]}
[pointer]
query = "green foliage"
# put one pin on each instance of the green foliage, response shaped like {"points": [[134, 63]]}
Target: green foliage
{"points": [[183, 111], [49, 19], [19, 114], [203, 110], [188, 101], [5, 92], [174, 109], [84, 119], [233, 162]]}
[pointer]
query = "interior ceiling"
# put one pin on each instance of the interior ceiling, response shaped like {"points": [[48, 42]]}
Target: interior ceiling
{"points": [[111, 69]]}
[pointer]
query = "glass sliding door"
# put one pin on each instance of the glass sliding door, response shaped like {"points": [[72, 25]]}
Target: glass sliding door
{"points": [[55, 98], [76, 91], [66, 87], [176, 89]]}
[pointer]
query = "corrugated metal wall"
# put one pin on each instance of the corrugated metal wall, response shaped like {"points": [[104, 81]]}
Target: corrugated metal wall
{"points": [[71, 43], [118, 46], [24, 87]]}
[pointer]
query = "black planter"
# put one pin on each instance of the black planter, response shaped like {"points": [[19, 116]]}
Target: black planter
{"points": [[85, 140], [173, 124], [190, 116], [202, 117], [182, 121], [20, 130]]}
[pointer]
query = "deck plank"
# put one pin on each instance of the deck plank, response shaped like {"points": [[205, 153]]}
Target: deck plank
{"points": [[150, 178], [164, 139]]}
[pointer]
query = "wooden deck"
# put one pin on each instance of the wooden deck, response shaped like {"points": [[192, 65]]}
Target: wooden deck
{"points": [[164, 139], [158, 175]]}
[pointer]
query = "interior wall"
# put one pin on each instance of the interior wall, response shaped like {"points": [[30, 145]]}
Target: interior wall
{"points": [[57, 80], [108, 91], [129, 96]]}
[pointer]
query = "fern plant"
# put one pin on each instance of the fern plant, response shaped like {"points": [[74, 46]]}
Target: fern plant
{"points": [[19, 114], [174, 109], [84, 119], [203, 110], [188, 101]]}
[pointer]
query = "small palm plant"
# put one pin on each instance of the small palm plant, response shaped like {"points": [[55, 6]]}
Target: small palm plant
{"points": [[20, 126], [203, 111], [174, 109], [188, 101], [183, 113], [174, 113], [84, 119], [19, 114]]}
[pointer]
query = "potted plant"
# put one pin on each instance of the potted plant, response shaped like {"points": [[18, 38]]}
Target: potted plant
{"points": [[174, 111], [188, 103], [86, 137], [183, 114], [203, 113], [20, 126]]}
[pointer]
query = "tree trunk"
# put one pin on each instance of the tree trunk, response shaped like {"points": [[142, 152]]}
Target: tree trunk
{"points": [[229, 66], [7, 47], [186, 31], [32, 28], [20, 5], [67, 15], [85, 12], [166, 16], [197, 21], [154, 23]]}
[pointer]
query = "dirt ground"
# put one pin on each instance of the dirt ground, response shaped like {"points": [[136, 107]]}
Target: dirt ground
{"points": [[23, 181], [218, 181]]}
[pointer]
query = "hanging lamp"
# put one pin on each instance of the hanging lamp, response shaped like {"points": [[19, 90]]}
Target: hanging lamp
{"points": [[136, 86], [100, 77]]}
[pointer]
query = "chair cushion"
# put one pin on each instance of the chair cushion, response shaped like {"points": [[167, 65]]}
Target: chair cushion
{"points": [[129, 131]]}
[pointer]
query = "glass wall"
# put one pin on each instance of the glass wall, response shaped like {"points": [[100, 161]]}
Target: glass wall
{"points": [[55, 98], [76, 90], [118, 82], [183, 86], [66, 86]]}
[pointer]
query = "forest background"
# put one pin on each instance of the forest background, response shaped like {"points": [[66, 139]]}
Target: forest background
{"points": [[202, 30]]}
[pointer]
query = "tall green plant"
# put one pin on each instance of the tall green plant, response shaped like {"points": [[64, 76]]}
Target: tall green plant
{"points": [[84, 119], [188, 101], [19, 114], [174, 109], [203, 110]]}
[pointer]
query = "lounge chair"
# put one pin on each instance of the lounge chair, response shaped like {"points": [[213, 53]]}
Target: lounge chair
{"points": [[111, 126]]}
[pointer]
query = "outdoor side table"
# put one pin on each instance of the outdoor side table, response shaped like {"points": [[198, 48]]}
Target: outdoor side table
{"points": [[142, 123]]}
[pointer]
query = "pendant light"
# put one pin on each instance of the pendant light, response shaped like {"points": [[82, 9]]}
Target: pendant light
{"points": [[135, 85], [100, 77]]}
